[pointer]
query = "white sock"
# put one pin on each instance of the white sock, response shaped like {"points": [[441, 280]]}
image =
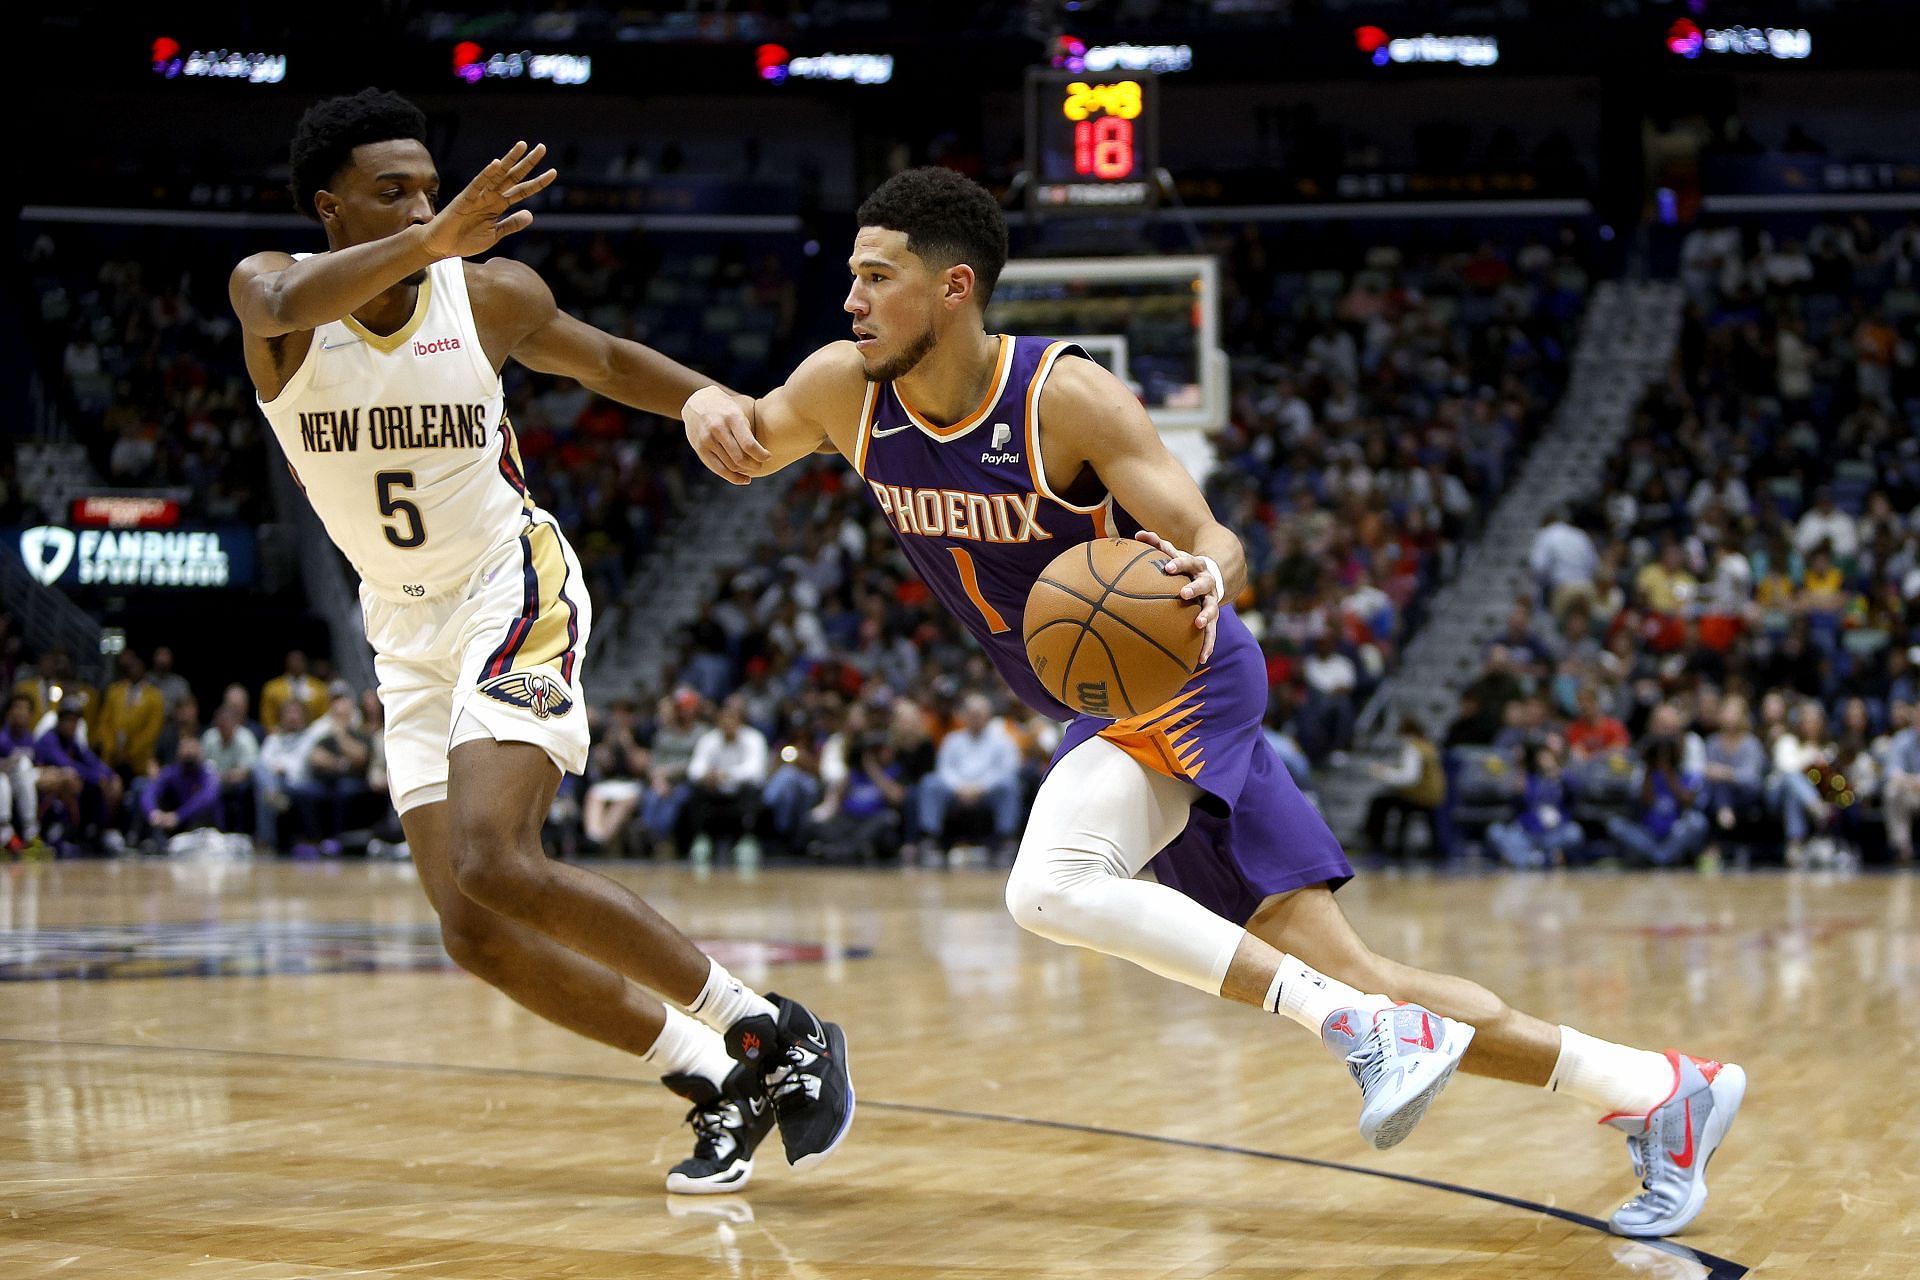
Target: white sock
{"points": [[1310, 998], [687, 1048], [725, 1000], [1613, 1077]]}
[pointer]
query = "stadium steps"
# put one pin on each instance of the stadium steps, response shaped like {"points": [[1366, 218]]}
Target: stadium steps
{"points": [[1626, 342], [722, 526]]}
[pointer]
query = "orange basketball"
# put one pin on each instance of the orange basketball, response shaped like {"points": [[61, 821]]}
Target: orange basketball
{"points": [[1107, 631]]}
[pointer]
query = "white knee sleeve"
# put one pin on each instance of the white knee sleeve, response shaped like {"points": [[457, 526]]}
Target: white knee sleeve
{"points": [[1099, 818]]}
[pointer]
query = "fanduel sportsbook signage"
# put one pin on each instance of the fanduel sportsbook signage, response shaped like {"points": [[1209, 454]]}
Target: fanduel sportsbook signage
{"points": [[207, 558]]}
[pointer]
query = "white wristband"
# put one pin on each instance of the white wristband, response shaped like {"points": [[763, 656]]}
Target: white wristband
{"points": [[1219, 583]]}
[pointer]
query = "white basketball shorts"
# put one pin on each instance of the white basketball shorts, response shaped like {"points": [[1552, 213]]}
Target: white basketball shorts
{"points": [[498, 658]]}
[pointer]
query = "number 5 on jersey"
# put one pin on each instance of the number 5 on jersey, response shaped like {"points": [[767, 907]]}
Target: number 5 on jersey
{"points": [[391, 507]]}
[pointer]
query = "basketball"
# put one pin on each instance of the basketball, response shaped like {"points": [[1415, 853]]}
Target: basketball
{"points": [[1107, 631]]}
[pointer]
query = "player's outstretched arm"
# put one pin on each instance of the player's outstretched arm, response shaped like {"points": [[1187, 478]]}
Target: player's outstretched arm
{"points": [[274, 295], [1092, 419], [517, 302], [817, 408]]}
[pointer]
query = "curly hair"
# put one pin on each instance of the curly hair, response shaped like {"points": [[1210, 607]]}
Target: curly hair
{"points": [[948, 219], [324, 140]]}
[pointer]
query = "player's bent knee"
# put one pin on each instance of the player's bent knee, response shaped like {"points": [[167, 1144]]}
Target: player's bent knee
{"points": [[1026, 900], [1042, 903], [494, 869], [476, 940]]}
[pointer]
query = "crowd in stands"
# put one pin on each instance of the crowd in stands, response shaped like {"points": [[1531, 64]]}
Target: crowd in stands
{"points": [[1721, 651], [139, 764]]}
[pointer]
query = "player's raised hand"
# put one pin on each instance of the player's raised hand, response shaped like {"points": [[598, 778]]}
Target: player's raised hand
{"points": [[721, 435], [479, 218], [1206, 585]]}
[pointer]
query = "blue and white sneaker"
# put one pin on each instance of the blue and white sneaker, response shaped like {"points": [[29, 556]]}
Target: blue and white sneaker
{"points": [[1671, 1145], [1401, 1058]]}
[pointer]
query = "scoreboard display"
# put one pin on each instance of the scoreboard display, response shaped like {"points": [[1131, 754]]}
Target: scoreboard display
{"points": [[1091, 141]]}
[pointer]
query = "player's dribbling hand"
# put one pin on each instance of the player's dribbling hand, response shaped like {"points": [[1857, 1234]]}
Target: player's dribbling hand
{"points": [[477, 219], [719, 432], [1205, 585]]}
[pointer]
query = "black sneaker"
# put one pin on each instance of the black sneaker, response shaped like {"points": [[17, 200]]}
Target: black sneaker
{"points": [[728, 1123], [804, 1064]]}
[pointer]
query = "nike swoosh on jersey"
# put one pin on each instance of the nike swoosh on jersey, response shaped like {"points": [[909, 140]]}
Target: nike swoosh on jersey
{"points": [[878, 434]]}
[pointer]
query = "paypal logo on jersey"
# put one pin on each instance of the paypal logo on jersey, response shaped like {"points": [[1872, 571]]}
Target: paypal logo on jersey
{"points": [[1002, 435]]}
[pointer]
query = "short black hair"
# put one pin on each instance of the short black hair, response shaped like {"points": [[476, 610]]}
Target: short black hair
{"points": [[324, 139], [947, 218]]}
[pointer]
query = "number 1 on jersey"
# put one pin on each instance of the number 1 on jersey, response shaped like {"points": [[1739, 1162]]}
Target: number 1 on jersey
{"points": [[383, 486]]}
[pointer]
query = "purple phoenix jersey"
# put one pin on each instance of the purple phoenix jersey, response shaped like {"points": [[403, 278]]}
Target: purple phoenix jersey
{"points": [[972, 510]]}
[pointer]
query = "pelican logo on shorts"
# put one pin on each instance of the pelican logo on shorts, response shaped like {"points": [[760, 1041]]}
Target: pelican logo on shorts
{"points": [[534, 691]]}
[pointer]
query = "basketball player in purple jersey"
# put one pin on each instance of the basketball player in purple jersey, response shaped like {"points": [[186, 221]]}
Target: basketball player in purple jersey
{"points": [[991, 454]]}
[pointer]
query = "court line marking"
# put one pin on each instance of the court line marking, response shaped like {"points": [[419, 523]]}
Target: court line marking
{"points": [[1718, 1268]]}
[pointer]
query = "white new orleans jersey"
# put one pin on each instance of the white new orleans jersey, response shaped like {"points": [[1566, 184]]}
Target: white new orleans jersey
{"points": [[402, 445], [471, 597]]}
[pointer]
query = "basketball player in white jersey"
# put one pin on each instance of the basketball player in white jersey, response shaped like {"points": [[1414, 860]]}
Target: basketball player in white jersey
{"points": [[377, 364]]}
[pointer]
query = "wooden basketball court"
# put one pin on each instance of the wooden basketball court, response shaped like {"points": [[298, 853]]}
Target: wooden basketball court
{"points": [[267, 1072]]}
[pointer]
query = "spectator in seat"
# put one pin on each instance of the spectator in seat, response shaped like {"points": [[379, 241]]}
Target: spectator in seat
{"points": [[1669, 826], [172, 685], [1416, 787], [1824, 588], [237, 697], [132, 714], [1736, 767], [184, 796], [1593, 732], [279, 774], [55, 682], [20, 779], [859, 818], [1790, 790], [1527, 727], [728, 768], [183, 722], [1826, 524], [977, 766], [1900, 791], [293, 685], [337, 761], [1523, 647], [676, 729], [618, 768], [100, 788], [230, 750], [1541, 832], [1564, 562], [1667, 585], [1326, 722], [792, 792]]}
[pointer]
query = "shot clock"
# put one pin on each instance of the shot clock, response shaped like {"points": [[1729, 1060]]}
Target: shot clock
{"points": [[1091, 140]]}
